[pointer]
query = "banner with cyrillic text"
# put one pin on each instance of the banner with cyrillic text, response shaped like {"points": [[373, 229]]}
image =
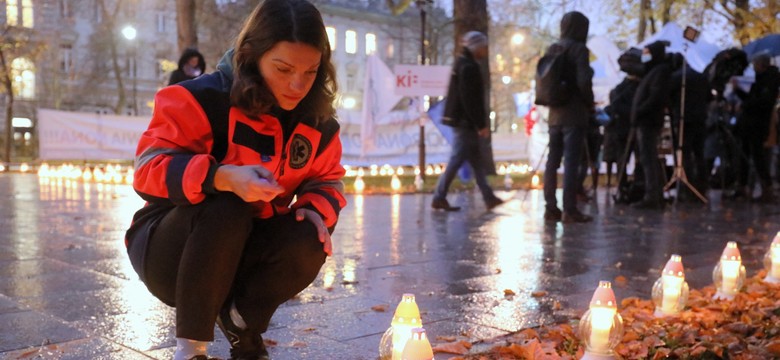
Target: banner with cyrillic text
{"points": [[66, 135]]}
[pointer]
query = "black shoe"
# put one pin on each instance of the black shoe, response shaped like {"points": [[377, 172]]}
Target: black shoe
{"points": [[443, 204], [553, 215], [575, 217], [649, 205], [492, 203], [244, 344]]}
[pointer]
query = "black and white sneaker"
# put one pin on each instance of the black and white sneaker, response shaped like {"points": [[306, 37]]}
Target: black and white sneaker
{"points": [[245, 344]]}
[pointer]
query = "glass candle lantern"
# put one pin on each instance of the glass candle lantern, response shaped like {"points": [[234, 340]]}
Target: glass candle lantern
{"points": [[729, 275], [670, 291], [417, 347], [405, 318], [772, 261], [601, 327]]}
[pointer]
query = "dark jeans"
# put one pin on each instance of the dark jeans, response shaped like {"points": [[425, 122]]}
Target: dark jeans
{"points": [[465, 147], [566, 142], [753, 148], [647, 146], [206, 255]]}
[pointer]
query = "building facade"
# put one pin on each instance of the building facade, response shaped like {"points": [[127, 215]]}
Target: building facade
{"points": [[111, 56]]}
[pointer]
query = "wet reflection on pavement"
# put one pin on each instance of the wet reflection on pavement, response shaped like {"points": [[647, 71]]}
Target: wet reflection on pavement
{"points": [[67, 290]]}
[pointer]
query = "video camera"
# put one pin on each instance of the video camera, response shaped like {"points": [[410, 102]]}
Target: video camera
{"points": [[726, 64]]}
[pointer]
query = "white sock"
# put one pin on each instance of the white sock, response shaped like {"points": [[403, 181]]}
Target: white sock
{"points": [[186, 348], [236, 317]]}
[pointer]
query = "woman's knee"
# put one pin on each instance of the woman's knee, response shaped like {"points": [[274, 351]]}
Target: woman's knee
{"points": [[305, 252], [227, 210]]}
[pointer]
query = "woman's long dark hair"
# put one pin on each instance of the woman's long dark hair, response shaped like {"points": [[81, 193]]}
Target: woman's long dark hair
{"points": [[296, 21]]}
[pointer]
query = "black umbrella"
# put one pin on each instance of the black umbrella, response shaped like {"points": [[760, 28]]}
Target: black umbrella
{"points": [[769, 44]]}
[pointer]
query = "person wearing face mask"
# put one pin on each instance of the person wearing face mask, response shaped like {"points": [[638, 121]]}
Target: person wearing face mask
{"points": [[647, 117], [241, 172], [191, 65]]}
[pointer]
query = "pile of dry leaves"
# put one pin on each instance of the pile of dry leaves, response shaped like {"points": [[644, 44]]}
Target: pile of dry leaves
{"points": [[744, 328]]}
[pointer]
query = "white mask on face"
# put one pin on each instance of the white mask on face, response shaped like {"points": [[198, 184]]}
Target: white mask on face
{"points": [[646, 58]]}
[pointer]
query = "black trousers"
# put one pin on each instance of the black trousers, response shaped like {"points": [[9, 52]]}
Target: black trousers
{"points": [[205, 256]]}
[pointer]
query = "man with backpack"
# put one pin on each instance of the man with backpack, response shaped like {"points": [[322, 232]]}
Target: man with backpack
{"points": [[563, 83]]}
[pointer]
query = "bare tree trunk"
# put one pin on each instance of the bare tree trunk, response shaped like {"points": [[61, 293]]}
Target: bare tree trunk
{"points": [[109, 26], [666, 11], [185, 24], [740, 22], [644, 8], [9, 106]]}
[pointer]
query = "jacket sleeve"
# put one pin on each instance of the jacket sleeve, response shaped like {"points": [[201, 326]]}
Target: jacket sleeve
{"points": [[323, 191], [656, 95], [172, 160], [472, 95], [761, 97], [584, 74]]}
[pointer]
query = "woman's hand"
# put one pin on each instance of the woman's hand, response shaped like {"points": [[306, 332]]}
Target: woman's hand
{"points": [[250, 182], [322, 230]]}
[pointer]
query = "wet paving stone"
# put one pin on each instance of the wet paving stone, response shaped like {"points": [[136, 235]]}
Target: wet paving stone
{"points": [[67, 289]]}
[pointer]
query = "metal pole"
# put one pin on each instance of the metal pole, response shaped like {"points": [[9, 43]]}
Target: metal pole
{"points": [[421, 5], [135, 85]]}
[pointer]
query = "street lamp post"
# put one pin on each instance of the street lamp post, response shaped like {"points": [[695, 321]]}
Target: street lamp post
{"points": [[421, 5], [130, 33]]}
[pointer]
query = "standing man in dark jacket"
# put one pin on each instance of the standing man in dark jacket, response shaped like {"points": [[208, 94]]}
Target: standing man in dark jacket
{"points": [[569, 122], [753, 125], [647, 116], [466, 112]]}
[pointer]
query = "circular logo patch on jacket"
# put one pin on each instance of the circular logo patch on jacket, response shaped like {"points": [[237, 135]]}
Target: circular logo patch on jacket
{"points": [[300, 151]]}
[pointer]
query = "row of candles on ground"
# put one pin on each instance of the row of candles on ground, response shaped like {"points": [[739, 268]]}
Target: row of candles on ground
{"points": [[601, 327], [388, 170], [111, 173], [395, 180]]}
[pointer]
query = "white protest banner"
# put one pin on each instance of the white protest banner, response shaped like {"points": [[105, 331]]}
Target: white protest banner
{"points": [[68, 135], [421, 80]]}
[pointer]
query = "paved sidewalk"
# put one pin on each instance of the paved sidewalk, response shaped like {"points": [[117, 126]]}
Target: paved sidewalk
{"points": [[67, 290]]}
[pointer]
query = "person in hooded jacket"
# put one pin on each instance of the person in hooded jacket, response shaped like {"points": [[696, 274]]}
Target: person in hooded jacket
{"points": [[568, 123], [241, 172], [191, 65], [753, 124], [647, 117]]}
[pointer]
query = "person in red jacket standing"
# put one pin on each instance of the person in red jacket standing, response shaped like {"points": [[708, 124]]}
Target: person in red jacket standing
{"points": [[241, 172]]}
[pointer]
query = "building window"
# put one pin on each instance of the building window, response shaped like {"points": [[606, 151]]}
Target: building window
{"points": [[350, 41], [370, 43], [331, 37], [23, 76], [98, 12], [65, 9], [27, 13], [11, 13], [66, 58], [160, 22]]}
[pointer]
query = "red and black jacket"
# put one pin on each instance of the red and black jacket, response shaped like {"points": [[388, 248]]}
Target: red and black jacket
{"points": [[194, 130]]}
